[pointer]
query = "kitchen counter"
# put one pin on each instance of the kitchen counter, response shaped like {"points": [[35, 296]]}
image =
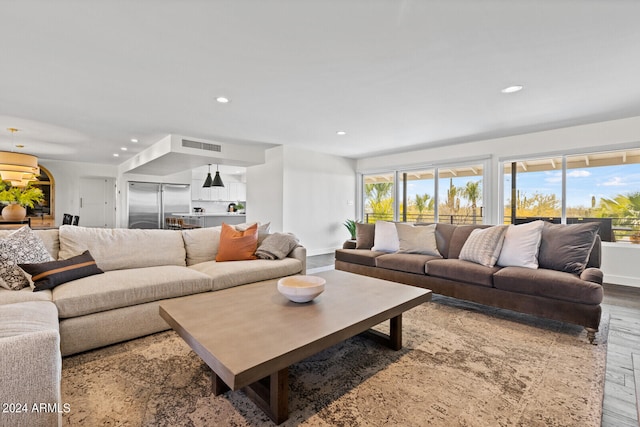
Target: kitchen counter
{"points": [[211, 219]]}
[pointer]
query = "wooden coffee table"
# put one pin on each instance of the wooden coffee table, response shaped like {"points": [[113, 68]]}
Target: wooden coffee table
{"points": [[249, 335]]}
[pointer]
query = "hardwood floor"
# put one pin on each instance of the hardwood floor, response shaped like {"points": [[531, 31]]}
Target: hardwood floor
{"points": [[621, 389], [622, 385]]}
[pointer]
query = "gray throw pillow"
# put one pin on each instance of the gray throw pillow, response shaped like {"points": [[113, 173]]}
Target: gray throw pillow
{"points": [[21, 246], [483, 245], [364, 235], [567, 247], [417, 239]]}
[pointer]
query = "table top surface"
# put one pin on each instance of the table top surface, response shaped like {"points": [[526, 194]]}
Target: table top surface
{"points": [[248, 332]]}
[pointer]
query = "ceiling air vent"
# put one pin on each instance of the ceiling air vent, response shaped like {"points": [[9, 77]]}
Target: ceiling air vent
{"points": [[201, 145]]}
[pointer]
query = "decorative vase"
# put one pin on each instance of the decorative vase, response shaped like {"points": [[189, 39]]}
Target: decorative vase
{"points": [[14, 212]]}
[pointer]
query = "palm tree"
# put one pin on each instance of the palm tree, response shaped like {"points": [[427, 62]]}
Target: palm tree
{"points": [[421, 204], [472, 192], [379, 198]]}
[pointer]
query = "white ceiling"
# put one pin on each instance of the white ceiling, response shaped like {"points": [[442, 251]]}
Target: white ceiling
{"points": [[81, 78]]}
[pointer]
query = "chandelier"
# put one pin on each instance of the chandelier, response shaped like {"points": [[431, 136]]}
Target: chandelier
{"points": [[18, 168]]}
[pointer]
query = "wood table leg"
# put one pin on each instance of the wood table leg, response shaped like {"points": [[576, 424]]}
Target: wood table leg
{"points": [[394, 339], [271, 394], [219, 386]]}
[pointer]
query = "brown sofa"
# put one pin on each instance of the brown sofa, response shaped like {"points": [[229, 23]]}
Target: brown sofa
{"points": [[569, 297]]}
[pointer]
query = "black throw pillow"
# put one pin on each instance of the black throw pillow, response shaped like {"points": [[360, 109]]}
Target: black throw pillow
{"points": [[48, 275]]}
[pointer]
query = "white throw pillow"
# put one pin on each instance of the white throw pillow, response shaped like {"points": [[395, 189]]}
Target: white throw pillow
{"points": [[521, 245], [483, 245], [385, 238], [417, 239]]}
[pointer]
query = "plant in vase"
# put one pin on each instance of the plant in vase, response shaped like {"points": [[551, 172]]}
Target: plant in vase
{"points": [[18, 199], [350, 225]]}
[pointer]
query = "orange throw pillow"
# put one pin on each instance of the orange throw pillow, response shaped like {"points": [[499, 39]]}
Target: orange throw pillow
{"points": [[237, 245]]}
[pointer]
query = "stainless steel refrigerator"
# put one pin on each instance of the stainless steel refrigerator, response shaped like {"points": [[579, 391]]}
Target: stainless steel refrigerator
{"points": [[150, 203]]}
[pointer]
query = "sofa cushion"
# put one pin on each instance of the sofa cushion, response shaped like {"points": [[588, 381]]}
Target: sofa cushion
{"points": [[521, 245], [48, 275], [23, 245], [229, 274], [121, 248], [417, 239], [237, 245], [483, 246], [25, 317], [49, 239], [123, 288], [23, 295], [461, 271], [548, 283], [358, 256], [567, 247], [201, 244], [385, 238], [364, 235], [444, 232], [459, 237], [411, 263]]}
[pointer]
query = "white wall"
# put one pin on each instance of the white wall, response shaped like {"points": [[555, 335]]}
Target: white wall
{"points": [[305, 193], [67, 176], [624, 133], [265, 190]]}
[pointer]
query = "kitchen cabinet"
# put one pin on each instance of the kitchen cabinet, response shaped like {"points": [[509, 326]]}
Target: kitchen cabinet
{"points": [[231, 192], [237, 191]]}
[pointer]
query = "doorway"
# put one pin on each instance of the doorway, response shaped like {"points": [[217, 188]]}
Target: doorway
{"points": [[97, 202]]}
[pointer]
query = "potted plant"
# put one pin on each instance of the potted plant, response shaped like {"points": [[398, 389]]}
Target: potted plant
{"points": [[350, 225], [18, 199]]}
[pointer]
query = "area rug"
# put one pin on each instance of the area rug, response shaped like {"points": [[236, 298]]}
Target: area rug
{"points": [[462, 364]]}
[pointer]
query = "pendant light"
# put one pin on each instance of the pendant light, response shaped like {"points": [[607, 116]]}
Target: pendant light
{"points": [[17, 168], [208, 182], [217, 181]]}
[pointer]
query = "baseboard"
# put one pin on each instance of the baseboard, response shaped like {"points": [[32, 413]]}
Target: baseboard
{"points": [[622, 280], [314, 252]]}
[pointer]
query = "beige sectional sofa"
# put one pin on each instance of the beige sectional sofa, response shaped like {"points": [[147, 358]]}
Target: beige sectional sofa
{"points": [[141, 268]]}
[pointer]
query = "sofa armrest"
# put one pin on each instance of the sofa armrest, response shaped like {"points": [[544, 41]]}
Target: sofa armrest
{"points": [[31, 372], [594, 275], [31, 368], [300, 253]]}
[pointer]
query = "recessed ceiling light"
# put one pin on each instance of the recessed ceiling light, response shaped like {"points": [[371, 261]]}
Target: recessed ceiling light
{"points": [[341, 132], [222, 100], [123, 148], [512, 89], [134, 140], [116, 155]]}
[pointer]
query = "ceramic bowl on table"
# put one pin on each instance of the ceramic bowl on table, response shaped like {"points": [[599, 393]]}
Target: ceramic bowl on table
{"points": [[301, 288]]}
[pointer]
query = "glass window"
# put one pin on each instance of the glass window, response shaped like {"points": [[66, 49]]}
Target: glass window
{"points": [[605, 188], [460, 195], [418, 201], [599, 187], [536, 189], [378, 195]]}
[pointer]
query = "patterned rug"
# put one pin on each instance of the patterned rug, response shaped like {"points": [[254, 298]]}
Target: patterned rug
{"points": [[462, 364]]}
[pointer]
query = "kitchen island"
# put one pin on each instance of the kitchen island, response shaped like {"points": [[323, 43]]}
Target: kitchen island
{"points": [[210, 219]]}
